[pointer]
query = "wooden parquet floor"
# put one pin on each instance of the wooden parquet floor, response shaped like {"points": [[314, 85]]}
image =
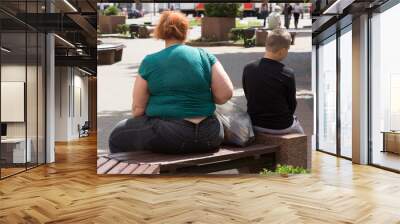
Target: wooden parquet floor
{"points": [[69, 191]]}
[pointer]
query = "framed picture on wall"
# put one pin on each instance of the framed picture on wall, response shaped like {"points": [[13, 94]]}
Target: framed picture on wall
{"points": [[12, 101]]}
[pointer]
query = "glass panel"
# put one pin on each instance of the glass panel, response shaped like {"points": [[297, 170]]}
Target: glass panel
{"points": [[327, 96], [41, 99], [13, 88], [346, 94], [385, 84], [32, 88], [31, 98]]}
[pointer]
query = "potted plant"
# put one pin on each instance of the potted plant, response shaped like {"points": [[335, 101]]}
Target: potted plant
{"points": [[219, 20], [110, 20]]}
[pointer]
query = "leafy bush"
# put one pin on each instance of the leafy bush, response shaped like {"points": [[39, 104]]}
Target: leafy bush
{"points": [[221, 9], [123, 28], [111, 11], [195, 22], [236, 34], [284, 170]]}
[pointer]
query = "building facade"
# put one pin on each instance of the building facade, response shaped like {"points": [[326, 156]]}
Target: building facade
{"points": [[357, 81]]}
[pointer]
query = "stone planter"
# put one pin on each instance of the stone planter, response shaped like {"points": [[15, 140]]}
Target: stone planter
{"points": [[108, 24], [261, 36], [216, 28], [108, 54]]}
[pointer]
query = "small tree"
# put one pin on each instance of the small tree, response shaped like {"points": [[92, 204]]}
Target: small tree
{"points": [[111, 11], [221, 9]]}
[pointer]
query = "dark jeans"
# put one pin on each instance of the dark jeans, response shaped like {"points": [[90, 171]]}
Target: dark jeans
{"points": [[296, 19], [173, 136], [287, 20]]}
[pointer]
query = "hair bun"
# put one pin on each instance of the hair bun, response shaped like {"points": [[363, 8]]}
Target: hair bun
{"points": [[172, 25]]}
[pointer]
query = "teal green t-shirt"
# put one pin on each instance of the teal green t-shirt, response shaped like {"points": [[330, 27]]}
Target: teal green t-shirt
{"points": [[179, 82]]}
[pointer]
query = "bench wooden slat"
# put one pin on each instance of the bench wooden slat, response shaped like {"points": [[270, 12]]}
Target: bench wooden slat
{"points": [[141, 168], [118, 168], [150, 157], [101, 161], [146, 162], [130, 168], [121, 156], [192, 159], [223, 156], [107, 166], [152, 169]]}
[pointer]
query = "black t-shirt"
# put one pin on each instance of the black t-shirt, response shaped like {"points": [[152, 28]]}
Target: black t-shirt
{"points": [[270, 91]]}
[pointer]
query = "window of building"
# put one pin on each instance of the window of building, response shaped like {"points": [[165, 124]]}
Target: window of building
{"points": [[346, 92], [326, 121], [385, 89]]}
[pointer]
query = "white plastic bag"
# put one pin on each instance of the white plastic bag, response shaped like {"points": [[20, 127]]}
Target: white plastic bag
{"points": [[238, 129]]}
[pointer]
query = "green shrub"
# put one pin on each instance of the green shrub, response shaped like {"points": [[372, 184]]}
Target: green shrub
{"points": [[194, 22], [123, 28], [111, 11], [236, 34], [284, 170], [221, 9]]}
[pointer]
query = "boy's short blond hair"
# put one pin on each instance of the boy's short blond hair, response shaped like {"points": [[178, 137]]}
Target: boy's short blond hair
{"points": [[278, 39]]}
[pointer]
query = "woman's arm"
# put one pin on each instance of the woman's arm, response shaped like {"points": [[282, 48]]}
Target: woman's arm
{"points": [[140, 96], [221, 85]]}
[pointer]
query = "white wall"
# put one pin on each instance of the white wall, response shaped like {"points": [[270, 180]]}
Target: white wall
{"points": [[69, 82]]}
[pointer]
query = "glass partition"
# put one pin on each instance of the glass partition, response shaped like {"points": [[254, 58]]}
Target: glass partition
{"points": [[14, 144], [22, 77], [346, 92], [327, 96], [385, 89]]}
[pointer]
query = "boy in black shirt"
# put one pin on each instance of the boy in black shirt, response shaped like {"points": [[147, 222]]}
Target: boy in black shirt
{"points": [[270, 88]]}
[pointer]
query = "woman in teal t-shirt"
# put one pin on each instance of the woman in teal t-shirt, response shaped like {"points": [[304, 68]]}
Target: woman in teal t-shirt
{"points": [[174, 97]]}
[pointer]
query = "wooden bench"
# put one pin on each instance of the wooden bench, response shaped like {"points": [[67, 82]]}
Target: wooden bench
{"points": [[254, 158], [288, 149]]}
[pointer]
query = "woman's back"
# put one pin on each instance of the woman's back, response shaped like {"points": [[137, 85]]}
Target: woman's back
{"points": [[179, 81]]}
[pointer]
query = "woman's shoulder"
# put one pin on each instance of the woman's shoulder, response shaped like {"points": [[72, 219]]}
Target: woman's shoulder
{"points": [[189, 49], [152, 57]]}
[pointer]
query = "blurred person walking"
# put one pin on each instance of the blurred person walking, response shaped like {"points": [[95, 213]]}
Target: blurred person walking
{"points": [[297, 10], [264, 13], [287, 11]]}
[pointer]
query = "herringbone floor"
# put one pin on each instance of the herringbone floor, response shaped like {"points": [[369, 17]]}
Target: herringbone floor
{"points": [[69, 191]]}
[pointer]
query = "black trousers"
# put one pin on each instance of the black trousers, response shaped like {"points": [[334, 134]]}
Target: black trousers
{"points": [[173, 136], [287, 20], [296, 19]]}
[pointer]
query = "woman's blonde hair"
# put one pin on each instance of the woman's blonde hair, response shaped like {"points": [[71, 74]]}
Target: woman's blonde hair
{"points": [[172, 25]]}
